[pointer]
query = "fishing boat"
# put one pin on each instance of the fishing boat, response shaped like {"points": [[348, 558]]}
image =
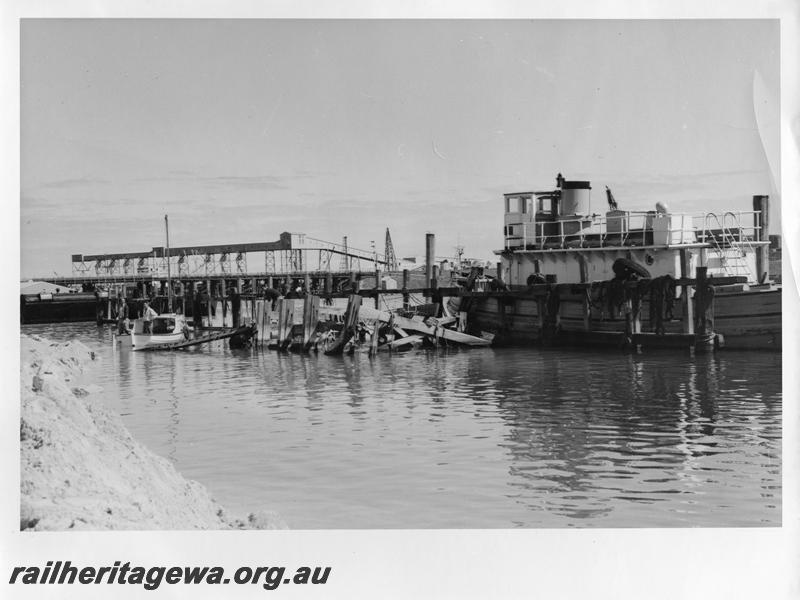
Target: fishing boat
{"points": [[568, 274], [163, 331]]}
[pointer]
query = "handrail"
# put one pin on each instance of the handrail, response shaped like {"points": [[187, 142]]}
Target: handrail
{"points": [[633, 227], [728, 238], [723, 258], [632, 224], [743, 241]]}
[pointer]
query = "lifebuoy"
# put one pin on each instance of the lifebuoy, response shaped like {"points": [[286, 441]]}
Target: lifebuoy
{"points": [[535, 278], [624, 268]]}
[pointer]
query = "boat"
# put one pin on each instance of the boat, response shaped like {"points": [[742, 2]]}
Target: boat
{"points": [[161, 332], [568, 275]]}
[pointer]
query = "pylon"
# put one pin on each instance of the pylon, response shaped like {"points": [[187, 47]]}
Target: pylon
{"points": [[390, 258]]}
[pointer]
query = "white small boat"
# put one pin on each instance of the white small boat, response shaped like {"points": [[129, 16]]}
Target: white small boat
{"points": [[165, 329]]}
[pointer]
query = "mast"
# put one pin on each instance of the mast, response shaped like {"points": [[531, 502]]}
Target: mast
{"points": [[169, 274]]}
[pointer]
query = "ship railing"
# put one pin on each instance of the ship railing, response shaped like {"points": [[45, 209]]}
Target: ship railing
{"points": [[732, 233], [629, 228], [744, 243], [743, 239], [715, 241], [739, 227]]}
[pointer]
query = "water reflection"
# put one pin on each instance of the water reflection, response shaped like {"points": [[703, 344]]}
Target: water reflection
{"points": [[486, 438], [590, 431]]}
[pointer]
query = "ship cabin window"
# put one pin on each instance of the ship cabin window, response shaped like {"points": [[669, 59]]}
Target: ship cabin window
{"points": [[163, 325], [518, 203], [544, 206]]}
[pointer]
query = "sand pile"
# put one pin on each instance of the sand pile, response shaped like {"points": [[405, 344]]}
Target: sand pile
{"points": [[80, 467]]}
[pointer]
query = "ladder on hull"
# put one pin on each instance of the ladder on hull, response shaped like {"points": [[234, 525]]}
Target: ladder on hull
{"points": [[732, 246]]}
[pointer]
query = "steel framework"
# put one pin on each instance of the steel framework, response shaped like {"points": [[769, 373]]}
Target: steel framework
{"points": [[291, 253]]}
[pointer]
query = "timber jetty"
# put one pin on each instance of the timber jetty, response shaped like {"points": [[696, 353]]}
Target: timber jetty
{"points": [[199, 276]]}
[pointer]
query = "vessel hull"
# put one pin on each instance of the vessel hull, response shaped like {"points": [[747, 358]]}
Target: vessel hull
{"points": [[743, 320]]}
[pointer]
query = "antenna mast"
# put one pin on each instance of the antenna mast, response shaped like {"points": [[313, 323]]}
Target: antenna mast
{"points": [[390, 258]]}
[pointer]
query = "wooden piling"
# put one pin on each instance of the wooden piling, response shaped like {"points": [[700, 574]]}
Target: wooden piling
{"points": [[377, 288], [223, 304], [628, 323], [289, 323], [406, 297], [687, 305], [310, 318], [430, 242], [209, 293], [587, 311], [254, 295], [373, 347], [258, 314], [761, 208], [704, 305], [349, 326], [266, 320], [282, 314], [285, 322], [182, 289], [637, 314], [353, 309]]}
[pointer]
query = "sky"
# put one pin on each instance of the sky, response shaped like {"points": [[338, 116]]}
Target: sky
{"points": [[243, 129]]}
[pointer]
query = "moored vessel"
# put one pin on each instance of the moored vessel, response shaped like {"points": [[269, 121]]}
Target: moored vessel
{"points": [[568, 275], [160, 332]]}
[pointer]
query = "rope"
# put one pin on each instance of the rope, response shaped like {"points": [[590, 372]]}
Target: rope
{"points": [[662, 301]]}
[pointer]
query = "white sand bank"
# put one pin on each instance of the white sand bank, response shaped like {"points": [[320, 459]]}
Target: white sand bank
{"points": [[80, 467]]}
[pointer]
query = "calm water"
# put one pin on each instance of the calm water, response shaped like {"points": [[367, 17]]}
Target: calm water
{"points": [[460, 439]]}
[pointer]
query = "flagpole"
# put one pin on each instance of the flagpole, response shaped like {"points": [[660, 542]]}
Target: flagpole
{"points": [[169, 274]]}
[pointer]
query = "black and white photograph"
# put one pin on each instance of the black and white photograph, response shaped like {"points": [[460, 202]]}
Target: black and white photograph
{"points": [[358, 305]]}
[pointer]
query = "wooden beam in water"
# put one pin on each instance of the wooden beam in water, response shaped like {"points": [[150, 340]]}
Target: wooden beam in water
{"points": [[210, 294], [687, 305], [450, 335], [350, 323], [258, 317], [285, 323], [266, 320], [406, 298], [373, 349], [310, 319], [377, 288], [405, 341]]}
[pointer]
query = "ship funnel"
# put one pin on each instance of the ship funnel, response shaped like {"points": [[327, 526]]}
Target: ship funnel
{"points": [[575, 198]]}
